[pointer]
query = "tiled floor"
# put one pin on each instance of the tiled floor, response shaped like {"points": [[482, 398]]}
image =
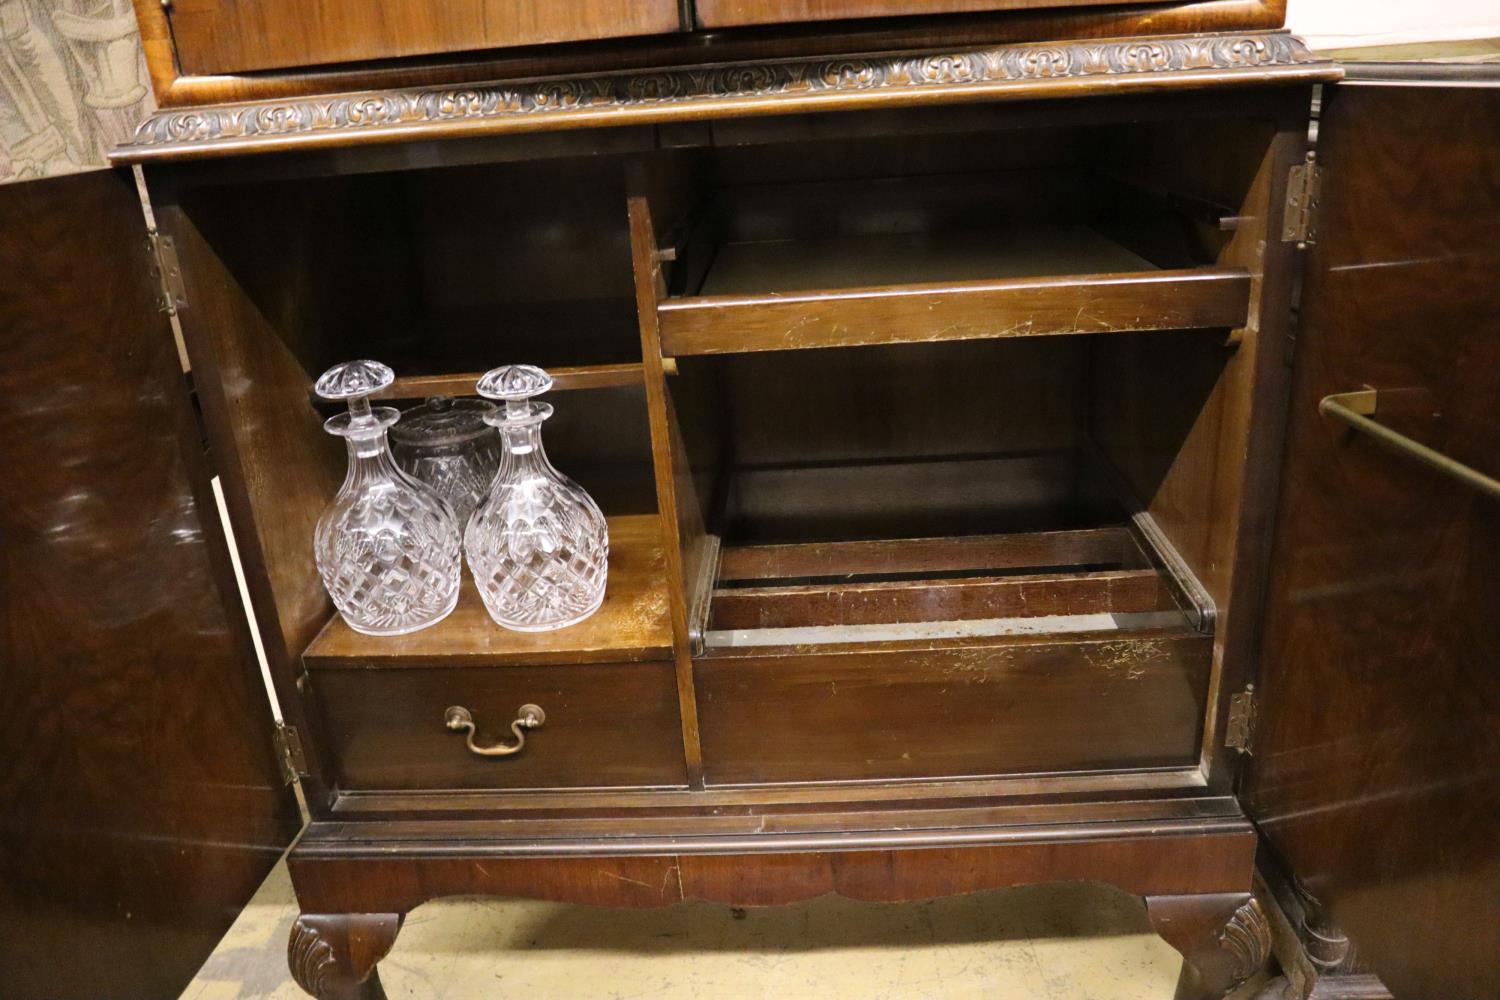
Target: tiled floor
{"points": [[1062, 942]]}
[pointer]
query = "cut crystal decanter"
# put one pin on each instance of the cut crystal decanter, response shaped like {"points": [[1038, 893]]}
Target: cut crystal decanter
{"points": [[388, 547], [538, 545]]}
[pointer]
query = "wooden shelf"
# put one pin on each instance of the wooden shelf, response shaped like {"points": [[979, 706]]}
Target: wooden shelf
{"points": [[632, 625], [1020, 282], [462, 383], [930, 588]]}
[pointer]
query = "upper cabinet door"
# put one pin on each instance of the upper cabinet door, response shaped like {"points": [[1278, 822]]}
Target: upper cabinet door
{"points": [[732, 13], [143, 803], [234, 36], [1376, 767]]}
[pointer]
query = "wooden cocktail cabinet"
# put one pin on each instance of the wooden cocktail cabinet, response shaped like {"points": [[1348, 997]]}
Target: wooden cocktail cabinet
{"points": [[956, 412]]}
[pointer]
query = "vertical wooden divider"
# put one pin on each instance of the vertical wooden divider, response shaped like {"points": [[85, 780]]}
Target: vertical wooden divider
{"points": [[668, 460]]}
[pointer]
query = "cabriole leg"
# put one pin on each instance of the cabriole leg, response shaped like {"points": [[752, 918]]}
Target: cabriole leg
{"points": [[1224, 939], [333, 956]]}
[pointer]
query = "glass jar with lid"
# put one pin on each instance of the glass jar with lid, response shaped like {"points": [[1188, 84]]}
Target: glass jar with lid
{"points": [[446, 444]]}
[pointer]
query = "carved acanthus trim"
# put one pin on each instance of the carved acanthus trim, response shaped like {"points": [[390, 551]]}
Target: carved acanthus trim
{"points": [[1247, 939], [310, 958], [748, 88]]}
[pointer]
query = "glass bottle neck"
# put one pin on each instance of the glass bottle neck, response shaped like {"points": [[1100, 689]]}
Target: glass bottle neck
{"points": [[370, 462], [523, 448]]}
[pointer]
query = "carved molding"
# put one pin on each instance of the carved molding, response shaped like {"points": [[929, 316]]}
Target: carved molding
{"points": [[1247, 939], [310, 958], [765, 87]]}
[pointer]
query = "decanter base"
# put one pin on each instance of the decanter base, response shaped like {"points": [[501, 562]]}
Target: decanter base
{"points": [[407, 629], [551, 626]]}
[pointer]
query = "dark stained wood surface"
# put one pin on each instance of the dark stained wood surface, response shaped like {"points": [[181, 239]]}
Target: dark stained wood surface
{"points": [[826, 445], [1375, 775], [252, 317], [732, 13], [1224, 939], [1054, 798], [1012, 705], [963, 310], [972, 230], [462, 384], [143, 804], [887, 601], [607, 724], [1100, 547], [222, 36], [343, 871], [681, 516], [339, 870], [631, 624], [1195, 423], [332, 955]]}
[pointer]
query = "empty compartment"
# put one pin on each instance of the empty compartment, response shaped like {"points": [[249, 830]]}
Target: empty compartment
{"points": [[947, 486], [1023, 234]]}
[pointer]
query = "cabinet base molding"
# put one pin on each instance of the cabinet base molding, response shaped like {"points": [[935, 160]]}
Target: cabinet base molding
{"points": [[1195, 876]]}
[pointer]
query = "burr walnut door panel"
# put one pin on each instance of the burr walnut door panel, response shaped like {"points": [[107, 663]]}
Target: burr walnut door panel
{"points": [[730, 13], [1376, 768], [232, 36], [142, 800]]}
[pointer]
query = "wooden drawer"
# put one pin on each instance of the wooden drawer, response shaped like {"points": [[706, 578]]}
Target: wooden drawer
{"points": [[221, 36], [729, 13], [608, 725], [1017, 705]]}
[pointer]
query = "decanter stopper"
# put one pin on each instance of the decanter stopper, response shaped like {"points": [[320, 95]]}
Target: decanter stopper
{"points": [[387, 547], [538, 545]]}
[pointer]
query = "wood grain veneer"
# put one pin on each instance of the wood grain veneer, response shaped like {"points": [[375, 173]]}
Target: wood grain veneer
{"points": [[972, 310], [143, 801], [733, 13], [1375, 775], [175, 89], [220, 36]]}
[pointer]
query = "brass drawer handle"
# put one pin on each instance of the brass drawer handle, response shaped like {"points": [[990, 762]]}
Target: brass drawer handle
{"points": [[459, 719], [1356, 409]]}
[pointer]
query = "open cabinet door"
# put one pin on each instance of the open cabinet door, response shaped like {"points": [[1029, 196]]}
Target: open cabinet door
{"points": [[1376, 767], [141, 802]]}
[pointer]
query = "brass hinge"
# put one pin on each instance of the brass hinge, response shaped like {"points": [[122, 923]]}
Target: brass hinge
{"points": [[168, 273], [289, 753], [1304, 188], [1241, 731]]}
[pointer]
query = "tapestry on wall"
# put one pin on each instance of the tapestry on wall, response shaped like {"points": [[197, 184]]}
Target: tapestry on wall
{"points": [[72, 84]]}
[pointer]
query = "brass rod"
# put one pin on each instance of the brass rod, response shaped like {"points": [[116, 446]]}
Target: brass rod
{"points": [[1337, 406]]}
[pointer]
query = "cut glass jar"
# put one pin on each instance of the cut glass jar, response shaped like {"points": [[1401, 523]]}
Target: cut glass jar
{"points": [[446, 444]]}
